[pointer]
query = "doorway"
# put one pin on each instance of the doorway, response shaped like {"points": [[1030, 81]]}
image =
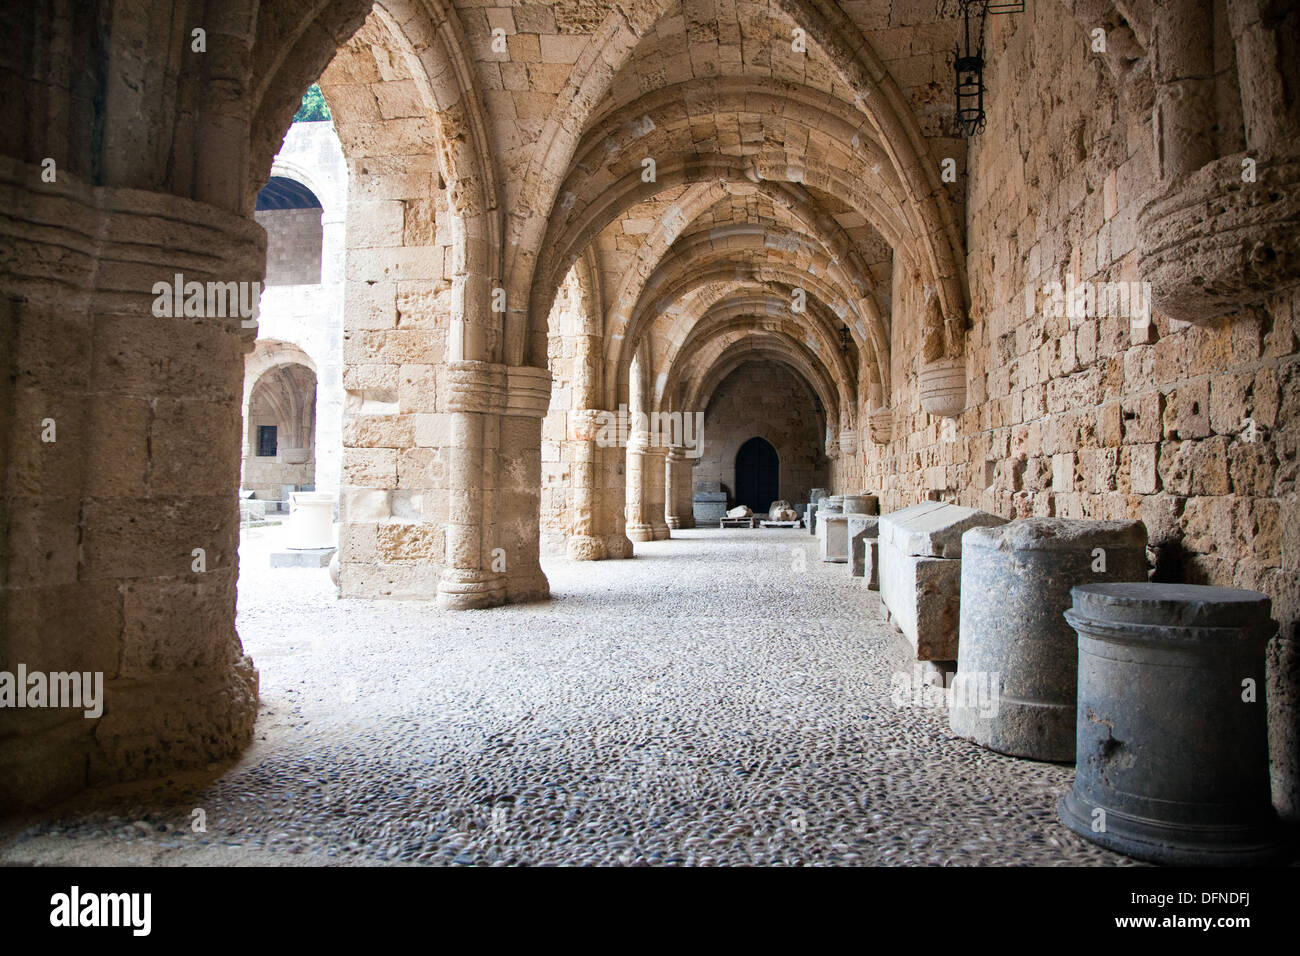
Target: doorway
{"points": [[757, 469]]}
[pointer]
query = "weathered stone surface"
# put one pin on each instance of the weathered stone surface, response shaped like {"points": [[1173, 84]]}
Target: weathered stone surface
{"points": [[1173, 757], [920, 572], [932, 528], [861, 532], [833, 538], [1013, 636]]}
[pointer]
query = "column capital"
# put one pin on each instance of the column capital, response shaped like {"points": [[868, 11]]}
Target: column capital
{"points": [[528, 391], [470, 386]]}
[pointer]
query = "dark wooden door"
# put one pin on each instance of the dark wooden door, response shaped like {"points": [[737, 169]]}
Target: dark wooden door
{"points": [[757, 482]]}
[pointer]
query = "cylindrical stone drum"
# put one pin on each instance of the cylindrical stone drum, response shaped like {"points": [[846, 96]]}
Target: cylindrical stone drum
{"points": [[1017, 657], [1172, 730], [831, 505], [860, 505], [817, 494]]}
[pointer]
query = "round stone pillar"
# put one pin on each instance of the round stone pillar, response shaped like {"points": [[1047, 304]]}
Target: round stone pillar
{"points": [[639, 526], [1172, 763], [1017, 657], [680, 494], [123, 313], [597, 489], [656, 480], [520, 469], [475, 398]]}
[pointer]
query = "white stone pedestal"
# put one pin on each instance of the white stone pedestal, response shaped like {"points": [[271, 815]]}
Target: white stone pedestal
{"points": [[311, 525]]}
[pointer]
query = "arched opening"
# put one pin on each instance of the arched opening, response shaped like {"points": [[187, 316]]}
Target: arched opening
{"points": [[280, 434], [758, 469], [291, 215]]}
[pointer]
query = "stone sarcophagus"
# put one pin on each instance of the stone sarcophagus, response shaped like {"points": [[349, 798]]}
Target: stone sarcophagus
{"points": [[919, 553], [709, 503]]}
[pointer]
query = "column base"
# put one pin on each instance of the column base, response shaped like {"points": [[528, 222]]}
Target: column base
{"points": [[640, 532], [470, 591], [676, 522], [528, 587], [599, 548]]}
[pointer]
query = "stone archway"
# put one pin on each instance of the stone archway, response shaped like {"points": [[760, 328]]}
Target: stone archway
{"points": [[758, 471], [280, 430]]}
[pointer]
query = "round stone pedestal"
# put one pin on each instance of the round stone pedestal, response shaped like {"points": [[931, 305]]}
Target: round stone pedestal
{"points": [[311, 525], [1017, 657], [1172, 736], [860, 505]]}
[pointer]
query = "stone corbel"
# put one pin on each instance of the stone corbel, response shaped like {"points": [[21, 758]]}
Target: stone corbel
{"points": [[942, 386], [1210, 244], [469, 386], [880, 426], [528, 391]]}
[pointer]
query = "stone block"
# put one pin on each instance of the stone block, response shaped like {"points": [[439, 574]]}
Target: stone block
{"points": [[923, 596], [832, 538], [920, 572], [862, 534], [933, 528]]}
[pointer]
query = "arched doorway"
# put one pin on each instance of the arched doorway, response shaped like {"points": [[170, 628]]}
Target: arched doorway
{"points": [[757, 468]]}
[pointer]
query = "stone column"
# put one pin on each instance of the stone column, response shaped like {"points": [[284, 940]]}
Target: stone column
{"points": [[680, 494], [597, 495], [639, 478], [520, 471], [120, 431], [1218, 234], [475, 400], [656, 475], [1183, 70]]}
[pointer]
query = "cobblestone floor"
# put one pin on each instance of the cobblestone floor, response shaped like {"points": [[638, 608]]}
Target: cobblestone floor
{"points": [[724, 698]]}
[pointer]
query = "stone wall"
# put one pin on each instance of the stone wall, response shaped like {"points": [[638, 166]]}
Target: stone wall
{"points": [[766, 400], [304, 323], [1194, 429], [293, 245]]}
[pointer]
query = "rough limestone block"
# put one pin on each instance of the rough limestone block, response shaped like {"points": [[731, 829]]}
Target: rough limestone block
{"points": [[920, 572], [934, 529], [1014, 638], [923, 595], [861, 531], [833, 538]]}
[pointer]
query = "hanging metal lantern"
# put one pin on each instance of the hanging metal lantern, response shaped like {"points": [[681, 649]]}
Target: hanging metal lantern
{"points": [[844, 339], [968, 62]]}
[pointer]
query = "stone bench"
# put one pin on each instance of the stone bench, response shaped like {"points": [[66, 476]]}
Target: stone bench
{"points": [[920, 572]]}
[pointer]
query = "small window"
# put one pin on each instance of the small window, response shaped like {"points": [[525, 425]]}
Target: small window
{"points": [[265, 441]]}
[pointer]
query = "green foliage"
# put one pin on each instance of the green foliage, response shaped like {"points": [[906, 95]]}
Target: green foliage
{"points": [[314, 109]]}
